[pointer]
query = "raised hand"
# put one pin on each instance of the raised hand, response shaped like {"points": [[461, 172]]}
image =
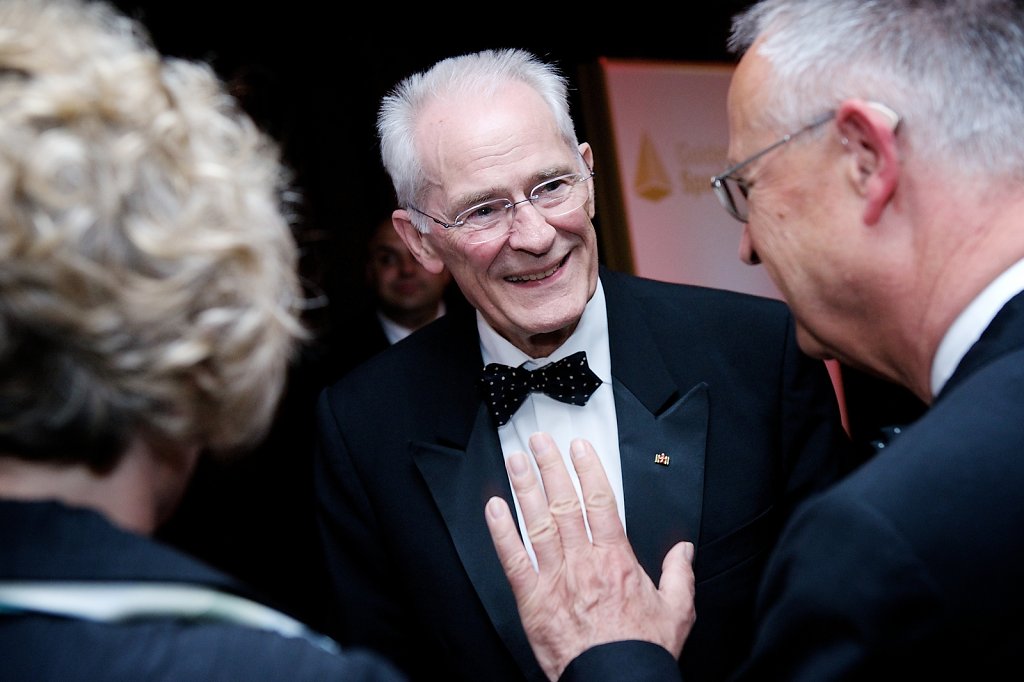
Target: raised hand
{"points": [[584, 592]]}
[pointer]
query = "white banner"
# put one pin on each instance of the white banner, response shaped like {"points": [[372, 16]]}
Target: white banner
{"points": [[671, 135]]}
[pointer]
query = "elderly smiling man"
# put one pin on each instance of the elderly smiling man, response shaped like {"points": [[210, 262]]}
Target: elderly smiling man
{"points": [[712, 423]]}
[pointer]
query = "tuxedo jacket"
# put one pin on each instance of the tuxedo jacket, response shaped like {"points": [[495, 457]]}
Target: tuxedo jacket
{"points": [[408, 456], [358, 335], [355, 338], [48, 543]]}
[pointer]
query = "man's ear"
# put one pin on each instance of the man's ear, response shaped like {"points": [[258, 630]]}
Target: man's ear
{"points": [[588, 158], [417, 242], [868, 132]]}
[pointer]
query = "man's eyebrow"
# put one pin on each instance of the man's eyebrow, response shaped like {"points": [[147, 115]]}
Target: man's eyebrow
{"points": [[466, 200], [534, 180]]}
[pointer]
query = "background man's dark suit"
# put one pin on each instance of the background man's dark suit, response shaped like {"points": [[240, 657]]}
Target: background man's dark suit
{"points": [[409, 456]]}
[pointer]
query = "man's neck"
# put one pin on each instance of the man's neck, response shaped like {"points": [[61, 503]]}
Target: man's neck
{"points": [[136, 495]]}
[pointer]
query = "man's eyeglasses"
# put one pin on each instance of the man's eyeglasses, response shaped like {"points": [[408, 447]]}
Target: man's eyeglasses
{"points": [[493, 219], [731, 189]]}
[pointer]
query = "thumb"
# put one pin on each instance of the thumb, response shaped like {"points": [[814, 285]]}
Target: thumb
{"points": [[677, 581]]}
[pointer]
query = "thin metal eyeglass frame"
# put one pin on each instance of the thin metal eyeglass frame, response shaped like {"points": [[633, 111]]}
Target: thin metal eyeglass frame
{"points": [[511, 204], [718, 182]]}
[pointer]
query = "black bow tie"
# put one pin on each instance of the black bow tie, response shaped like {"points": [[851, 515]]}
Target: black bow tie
{"points": [[569, 380]]}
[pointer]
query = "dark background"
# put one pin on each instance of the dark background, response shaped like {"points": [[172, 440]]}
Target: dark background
{"points": [[312, 75]]}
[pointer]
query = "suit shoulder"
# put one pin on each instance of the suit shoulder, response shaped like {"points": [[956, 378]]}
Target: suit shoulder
{"points": [[425, 357], [649, 286], [698, 300]]}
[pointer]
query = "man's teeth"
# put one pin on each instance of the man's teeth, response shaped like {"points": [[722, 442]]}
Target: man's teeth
{"points": [[533, 278]]}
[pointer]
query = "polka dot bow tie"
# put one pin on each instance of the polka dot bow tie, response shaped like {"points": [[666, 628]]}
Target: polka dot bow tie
{"points": [[569, 380]]}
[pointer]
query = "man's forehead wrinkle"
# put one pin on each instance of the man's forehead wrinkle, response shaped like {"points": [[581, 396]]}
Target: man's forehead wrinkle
{"points": [[472, 155]]}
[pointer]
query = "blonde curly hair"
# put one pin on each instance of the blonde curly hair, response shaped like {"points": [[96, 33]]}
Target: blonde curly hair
{"points": [[147, 267]]}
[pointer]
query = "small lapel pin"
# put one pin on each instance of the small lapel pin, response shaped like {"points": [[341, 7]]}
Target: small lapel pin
{"points": [[662, 459]]}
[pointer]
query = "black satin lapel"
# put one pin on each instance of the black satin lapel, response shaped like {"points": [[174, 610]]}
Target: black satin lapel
{"points": [[461, 482], [662, 472]]}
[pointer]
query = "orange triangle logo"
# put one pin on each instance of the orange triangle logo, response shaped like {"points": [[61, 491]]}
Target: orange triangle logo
{"points": [[651, 180]]}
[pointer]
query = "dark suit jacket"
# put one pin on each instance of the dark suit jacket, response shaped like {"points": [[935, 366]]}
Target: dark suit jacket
{"points": [[913, 566], [358, 335], [355, 339], [409, 456], [47, 541]]}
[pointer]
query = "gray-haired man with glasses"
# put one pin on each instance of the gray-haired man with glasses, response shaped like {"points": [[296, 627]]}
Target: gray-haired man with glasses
{"points": [[712, 424]]}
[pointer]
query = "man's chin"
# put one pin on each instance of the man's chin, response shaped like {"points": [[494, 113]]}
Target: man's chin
{"points": [[812, 346]]}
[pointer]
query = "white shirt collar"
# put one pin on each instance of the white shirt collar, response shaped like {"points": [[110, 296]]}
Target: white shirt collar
{"points": [[972, 322], [591, 335]]}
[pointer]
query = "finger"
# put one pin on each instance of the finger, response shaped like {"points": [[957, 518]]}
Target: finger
{"points": [[598, 497], [533, 503], [563, 500], [509, 546]]}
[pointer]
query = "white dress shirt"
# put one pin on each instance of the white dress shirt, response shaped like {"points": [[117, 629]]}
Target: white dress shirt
{"points": [[969, 325], [594, 421]]}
